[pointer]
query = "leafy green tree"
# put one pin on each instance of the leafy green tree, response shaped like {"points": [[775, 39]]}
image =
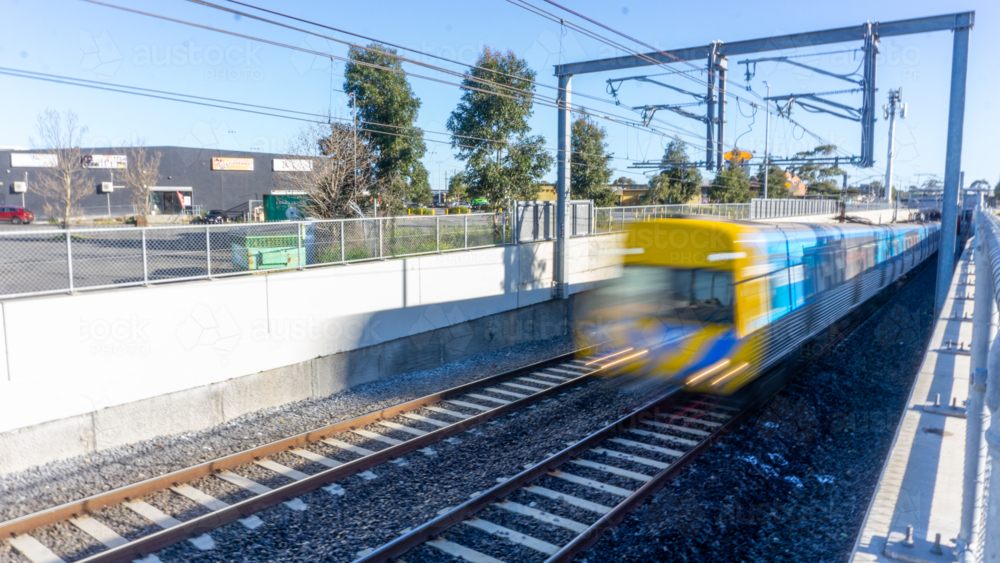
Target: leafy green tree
{"points": [[776, 182], [996, 191], [623, 181], [591, 165], [458, 189], [731, 185], [490, 130], [819, 178], [932, 184], [678, 184], [419, 189], [385, 97]]}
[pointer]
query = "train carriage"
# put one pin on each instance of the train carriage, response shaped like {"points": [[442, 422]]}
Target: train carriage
{"points": [[711, 304]]}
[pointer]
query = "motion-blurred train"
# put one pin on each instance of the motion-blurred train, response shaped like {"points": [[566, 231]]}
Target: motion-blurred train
{"points": [[711, 305]]}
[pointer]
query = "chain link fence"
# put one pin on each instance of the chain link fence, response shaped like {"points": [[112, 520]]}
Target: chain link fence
{"points": [[38, 262]]}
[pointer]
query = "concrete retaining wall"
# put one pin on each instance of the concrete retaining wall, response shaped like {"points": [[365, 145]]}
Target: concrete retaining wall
{"points": [[97, 370]]}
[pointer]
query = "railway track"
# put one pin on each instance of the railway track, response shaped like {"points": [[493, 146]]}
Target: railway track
{"points": [[360, 444], [556, 509]]}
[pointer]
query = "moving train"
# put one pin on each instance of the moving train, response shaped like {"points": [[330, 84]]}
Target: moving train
{"points": [[711, 305]]}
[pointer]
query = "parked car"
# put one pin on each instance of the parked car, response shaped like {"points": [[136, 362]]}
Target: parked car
{"points": [[16, 215], [440, 204], [216, 216]]}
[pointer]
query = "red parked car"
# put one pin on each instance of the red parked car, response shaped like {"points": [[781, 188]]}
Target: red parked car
{"points": [[16, 215]]}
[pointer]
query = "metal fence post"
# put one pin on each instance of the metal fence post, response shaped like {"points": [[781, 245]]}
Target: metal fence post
{"points": [[437, 232], [991, 531], [343, 244], [208, 250], [503, 222], [69, 258], [298, 255], [466, 231], [145, 263], [378, 224]]}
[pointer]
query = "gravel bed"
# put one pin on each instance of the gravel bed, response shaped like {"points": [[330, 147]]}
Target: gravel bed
{"points": [[261, 476], [31, 490], [551, 506], [373, 511], [494, 546], [793, 482], [126, 523], [181, 508], [67, 541], [221, 490]]}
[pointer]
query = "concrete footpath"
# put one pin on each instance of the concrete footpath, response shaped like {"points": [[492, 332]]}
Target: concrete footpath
{"points": [[921, 482]]}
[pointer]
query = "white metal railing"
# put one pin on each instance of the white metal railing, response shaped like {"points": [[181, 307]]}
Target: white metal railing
{"points": [[979, 535]]}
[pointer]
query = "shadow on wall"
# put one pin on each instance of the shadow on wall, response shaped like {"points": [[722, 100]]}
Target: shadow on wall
{"points": [[455, 306]]}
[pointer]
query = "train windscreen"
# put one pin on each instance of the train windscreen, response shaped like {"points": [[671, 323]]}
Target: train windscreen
{"points": [[701, 295]]}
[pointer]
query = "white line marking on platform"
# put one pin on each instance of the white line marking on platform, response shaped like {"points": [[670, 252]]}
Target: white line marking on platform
{"points": [[377, 437], [34, 550], [99, 531], [203, 542], [612, 469], [633, 458], [349, 447], [542, 516], [685, 429], [568, 499], [153, 514], [538, 381], [241, 481], [489, 399], [455, 414], [641, 445], [282, 470], [427, 419], [312, 456], [296, 504], [469, 405], [402, 428], [664, 437], [604, 487], [513, 536], [462, 552]]}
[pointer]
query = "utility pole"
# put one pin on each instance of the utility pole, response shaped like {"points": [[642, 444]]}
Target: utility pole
{"points": [[889, 112], [767, 133]]}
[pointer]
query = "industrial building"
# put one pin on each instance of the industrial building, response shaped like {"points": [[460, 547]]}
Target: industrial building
{"points": [[190, 179]]}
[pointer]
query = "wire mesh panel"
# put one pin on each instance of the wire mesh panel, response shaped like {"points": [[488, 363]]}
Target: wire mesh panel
{"points": [[176, 252], [409, 235], [107, 257], [324, 242], [33, 262], [362, 239], [484, 230]]}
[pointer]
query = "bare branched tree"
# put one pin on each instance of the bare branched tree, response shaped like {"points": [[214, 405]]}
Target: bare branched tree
{"points": [[333, 170], [60, 186], [141, 174]]}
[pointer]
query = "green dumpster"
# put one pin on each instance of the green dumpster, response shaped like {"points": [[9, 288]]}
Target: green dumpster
{"points": [[261, 252]]}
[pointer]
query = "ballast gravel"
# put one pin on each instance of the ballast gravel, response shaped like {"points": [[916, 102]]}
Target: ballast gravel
{"points": [[59, 482], [793, 482]]}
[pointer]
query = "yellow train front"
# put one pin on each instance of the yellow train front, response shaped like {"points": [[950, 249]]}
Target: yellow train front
{"points": [[711, 304]]}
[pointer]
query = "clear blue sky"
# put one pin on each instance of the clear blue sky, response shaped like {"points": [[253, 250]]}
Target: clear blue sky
{"points": [[74, 38]]}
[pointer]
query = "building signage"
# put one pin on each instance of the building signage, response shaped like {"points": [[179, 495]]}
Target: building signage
{"points": [[245, 164], [113, 161], [291, 165], [33, 160]]}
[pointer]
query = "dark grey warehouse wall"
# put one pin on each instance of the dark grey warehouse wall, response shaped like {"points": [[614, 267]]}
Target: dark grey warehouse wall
{"points": [[179, 166]]}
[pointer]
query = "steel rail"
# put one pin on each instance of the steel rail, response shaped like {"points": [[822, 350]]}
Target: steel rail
{"points": [[25, 524]]}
